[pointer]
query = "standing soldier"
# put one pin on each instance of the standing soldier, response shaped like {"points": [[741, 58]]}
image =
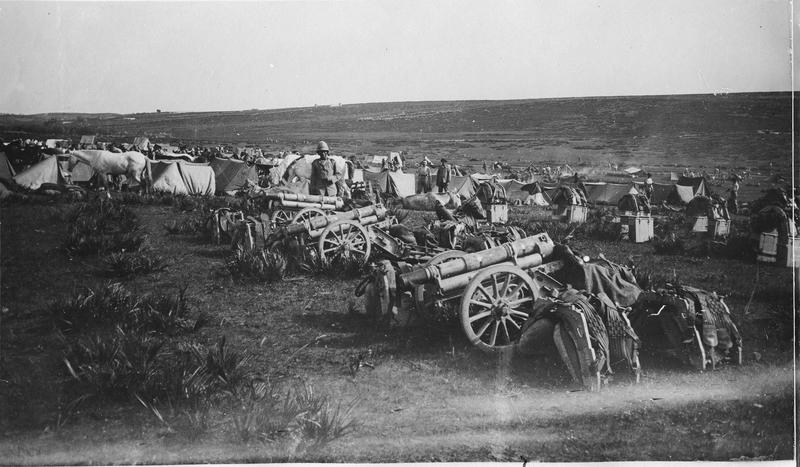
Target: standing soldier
{"points": [[443, 176], [323, 173], [424, 176], [648, 187]]}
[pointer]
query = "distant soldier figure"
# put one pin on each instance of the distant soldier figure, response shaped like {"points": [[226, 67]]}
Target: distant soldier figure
{"points": [[485, 167], [733, 199], [443, 176], [323, 173], [424, 177], [648, 187]]}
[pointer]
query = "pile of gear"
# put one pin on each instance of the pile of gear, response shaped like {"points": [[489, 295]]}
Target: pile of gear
{"points": [[536, 298]]}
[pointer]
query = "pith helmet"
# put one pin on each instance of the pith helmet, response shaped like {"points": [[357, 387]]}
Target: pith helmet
{"points": [[322, 146]]}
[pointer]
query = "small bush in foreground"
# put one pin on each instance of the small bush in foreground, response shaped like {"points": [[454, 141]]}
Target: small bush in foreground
{"points": [[126, 264], [114, 306], [341, 266], [313, 420], [257, 265], [114, 365]]}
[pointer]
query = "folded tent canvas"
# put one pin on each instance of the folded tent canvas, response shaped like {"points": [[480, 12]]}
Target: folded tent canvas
{"points": [[608, 193], [233, 175], [183, 178]]}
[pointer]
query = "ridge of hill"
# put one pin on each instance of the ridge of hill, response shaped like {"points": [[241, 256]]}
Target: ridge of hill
{"points": [[738, 129]]}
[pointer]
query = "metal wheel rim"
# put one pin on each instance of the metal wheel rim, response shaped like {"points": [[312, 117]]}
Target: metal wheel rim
{"points": [[495, 306], [344, 236], [306, 214], [280, 217]]}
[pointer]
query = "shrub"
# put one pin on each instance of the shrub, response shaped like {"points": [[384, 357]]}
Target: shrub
{"points": [[124, 264], [670, 244], [341, 266], [100, 226], [257, 265], [114, 306], [264, 415], [114, 365]]}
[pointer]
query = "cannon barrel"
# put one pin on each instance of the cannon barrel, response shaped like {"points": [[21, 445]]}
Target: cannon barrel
{"points": [[366, 215], [317, 199], [507, 252], [303, 204], [461, 281]]}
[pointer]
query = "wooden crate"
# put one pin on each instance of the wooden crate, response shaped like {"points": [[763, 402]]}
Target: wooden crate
{"points": [[720, 227], [640, 227], [576, 214], [768, 243], [700, 224], [498, 213]]}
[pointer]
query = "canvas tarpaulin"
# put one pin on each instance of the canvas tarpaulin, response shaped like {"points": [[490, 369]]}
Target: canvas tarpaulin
{"points": [[607, 193], [183, 178], [81, 172], [233, 175], [46, 171], [661, 192], [6, 170], [462, 186], [395, 183]]}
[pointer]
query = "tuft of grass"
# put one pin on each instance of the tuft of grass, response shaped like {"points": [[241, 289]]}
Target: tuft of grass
{"points": [[102, 226], [671, 244], [124, 264], [320, 421], [343, 266], [113, 365], [113, 306], [257, 265]]}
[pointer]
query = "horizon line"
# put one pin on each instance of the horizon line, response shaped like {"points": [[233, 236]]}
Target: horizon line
{"points": [[715, 94]]}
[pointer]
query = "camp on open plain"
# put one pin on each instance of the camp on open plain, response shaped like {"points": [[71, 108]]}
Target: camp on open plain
{"points": [[572, 267]]}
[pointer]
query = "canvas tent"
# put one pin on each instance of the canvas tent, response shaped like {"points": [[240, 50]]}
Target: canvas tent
{"points": [[6, 170], [462, 186], [608, 193], [661, 192], [46, 171], [81, 172], [395, 183], [233, 175], [686, 189], [183, 178]]}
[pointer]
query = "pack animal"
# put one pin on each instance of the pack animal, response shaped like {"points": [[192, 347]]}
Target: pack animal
{"points": [[134, 165]]}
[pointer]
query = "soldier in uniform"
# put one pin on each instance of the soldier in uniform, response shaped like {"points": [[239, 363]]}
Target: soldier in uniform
{"points": [[323, 173]]}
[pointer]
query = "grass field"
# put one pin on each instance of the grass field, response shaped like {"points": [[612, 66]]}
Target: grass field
{"points": [[425, 394], [428, 395]]}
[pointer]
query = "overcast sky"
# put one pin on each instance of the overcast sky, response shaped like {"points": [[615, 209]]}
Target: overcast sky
{"points": [[192, 56]]}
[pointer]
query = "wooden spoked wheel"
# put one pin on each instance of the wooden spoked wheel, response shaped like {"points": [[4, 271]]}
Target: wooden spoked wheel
{"points": [[495, 305], [306, 214], [344, 239], [423, 298], [280, 217]]}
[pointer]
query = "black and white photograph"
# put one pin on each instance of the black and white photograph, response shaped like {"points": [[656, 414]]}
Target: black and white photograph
{"points": [[382, 231]]}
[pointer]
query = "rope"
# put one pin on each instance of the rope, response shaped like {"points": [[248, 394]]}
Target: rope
{"points": [[753, 293]]}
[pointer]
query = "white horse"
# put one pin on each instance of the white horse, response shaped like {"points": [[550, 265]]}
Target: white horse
{"points": [[134, 165]]}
